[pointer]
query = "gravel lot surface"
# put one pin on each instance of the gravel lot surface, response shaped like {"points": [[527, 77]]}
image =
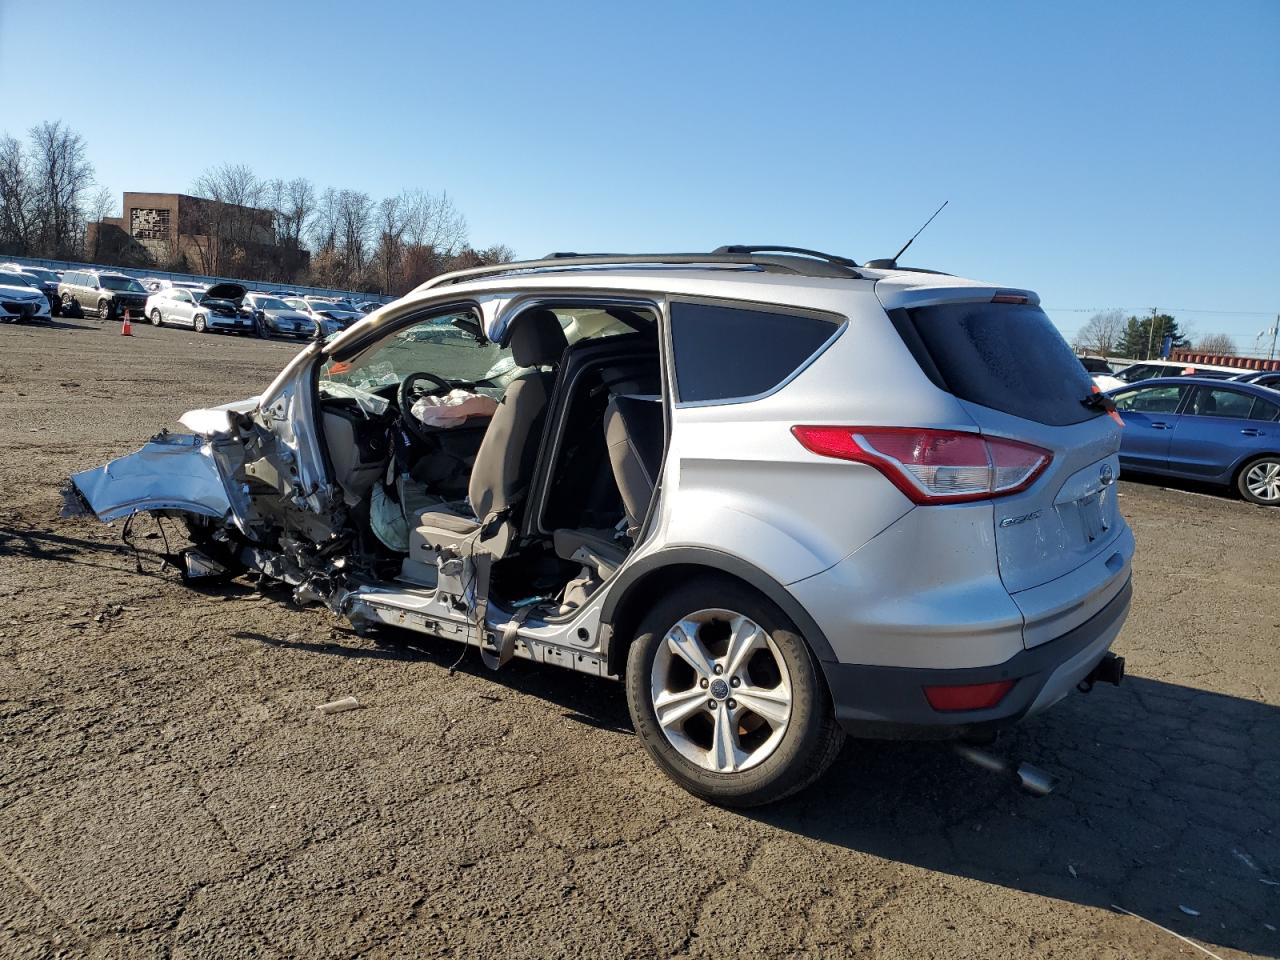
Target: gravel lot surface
{"points": [[168, 789]]}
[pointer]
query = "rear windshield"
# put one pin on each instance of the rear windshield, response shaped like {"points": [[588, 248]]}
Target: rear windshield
{"points": [[1008, 357]]}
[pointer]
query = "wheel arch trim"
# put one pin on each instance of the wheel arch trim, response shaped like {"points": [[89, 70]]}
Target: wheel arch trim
{"points": [[631, 581]]}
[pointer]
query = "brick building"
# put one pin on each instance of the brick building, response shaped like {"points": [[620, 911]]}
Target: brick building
{"points": [[177, 231]]}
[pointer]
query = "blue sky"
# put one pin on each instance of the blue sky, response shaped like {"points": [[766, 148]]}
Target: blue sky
{"points": [[1109, 154]]}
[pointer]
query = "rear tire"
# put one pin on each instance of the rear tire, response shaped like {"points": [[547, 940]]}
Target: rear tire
{"points": [[1259, 481], [714, 744]]}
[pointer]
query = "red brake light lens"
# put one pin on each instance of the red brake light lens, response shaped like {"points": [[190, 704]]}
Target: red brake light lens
{"points": [[933, 466], [969, 696]]}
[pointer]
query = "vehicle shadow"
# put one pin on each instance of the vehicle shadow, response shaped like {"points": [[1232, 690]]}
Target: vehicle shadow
{"points": [[1166, 797], [1217, 491], [588, 700], [1169, 797], [45, 545]]}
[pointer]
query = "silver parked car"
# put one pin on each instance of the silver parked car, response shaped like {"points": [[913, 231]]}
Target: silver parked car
{"points": [[273, 317], [782, 497], [217, 308], [329, 315]]}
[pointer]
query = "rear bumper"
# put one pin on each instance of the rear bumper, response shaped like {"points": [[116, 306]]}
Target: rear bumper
{"points": [[889, 702]]}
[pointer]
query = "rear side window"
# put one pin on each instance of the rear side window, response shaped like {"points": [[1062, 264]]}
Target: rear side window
{"points": [[1264, 410], [1150, 399], [1008, 357], [1209, 402], [727, 353]]}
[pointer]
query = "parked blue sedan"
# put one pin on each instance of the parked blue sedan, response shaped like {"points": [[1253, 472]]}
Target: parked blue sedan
{"points": [[1215, 431]]}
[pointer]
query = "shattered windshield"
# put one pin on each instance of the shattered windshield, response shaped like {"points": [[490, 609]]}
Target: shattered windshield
{"points": [[450, 347]]}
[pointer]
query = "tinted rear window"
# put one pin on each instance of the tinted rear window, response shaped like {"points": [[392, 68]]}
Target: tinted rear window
{"points": [[1008, 357], [733, 353]]}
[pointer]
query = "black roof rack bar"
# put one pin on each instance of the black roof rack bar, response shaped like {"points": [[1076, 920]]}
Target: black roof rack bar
{"points": [[561, 261], [801, 251]]}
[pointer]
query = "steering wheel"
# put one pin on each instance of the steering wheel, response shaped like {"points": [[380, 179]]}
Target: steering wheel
{"points": [[408, 393]]}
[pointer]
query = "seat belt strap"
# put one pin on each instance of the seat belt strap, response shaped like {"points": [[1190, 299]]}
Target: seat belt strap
{"points": [[506, 647]]}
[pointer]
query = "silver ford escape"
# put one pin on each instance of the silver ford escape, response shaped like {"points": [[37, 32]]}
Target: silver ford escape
{"points": [[781, 496]]}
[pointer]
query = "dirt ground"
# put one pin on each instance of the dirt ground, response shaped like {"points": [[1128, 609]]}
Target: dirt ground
{"points": [[167, 787]]}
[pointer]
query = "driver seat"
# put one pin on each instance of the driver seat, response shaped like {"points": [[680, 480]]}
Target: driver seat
{"points": [[504, 464]]}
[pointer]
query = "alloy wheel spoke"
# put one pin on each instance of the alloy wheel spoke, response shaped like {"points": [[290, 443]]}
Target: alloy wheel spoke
{"points": [[726, 755], [672, 709], [746, 638], [772, 704], [684, 643]]}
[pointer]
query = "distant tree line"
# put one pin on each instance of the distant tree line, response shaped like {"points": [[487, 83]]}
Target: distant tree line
{"points": [[286, 231], [1109, 333], [45, 192]]}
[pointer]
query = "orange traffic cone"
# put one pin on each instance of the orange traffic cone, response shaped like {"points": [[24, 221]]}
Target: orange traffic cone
{"points": [[126, 328]]}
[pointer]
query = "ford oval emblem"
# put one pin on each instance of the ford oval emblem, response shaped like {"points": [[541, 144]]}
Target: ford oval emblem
{"points": [[1107, 475]]}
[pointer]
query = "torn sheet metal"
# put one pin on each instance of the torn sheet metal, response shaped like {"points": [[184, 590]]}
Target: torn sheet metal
{"points": [[174, 471]]}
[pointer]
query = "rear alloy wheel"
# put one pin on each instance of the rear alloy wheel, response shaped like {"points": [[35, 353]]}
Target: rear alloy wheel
{"points": [[727, 698], [200, 325], [1259, 481], [156, 319]]}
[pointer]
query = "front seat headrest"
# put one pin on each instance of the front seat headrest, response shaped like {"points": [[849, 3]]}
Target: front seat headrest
{"points": [[537, 339]]}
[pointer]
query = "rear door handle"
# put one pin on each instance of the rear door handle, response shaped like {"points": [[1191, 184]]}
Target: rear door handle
{"points": [[1251, 432], [1159, 425]]}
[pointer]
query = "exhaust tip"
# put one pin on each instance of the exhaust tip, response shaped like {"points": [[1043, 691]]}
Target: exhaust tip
{"points": [[1035, 781]]}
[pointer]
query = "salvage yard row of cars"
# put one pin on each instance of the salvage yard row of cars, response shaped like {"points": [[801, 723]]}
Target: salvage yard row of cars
{"points": [[28, 292]]}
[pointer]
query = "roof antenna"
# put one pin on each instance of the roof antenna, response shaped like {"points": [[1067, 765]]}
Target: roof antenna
{"points": [[892, 262]]}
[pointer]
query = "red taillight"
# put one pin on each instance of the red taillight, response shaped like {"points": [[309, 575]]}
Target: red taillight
{"points": [[933, 466], [1007, 296], [969, 696]]}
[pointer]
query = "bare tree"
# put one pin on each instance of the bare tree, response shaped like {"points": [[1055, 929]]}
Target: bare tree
{"points": [[230, 220], [1101, 334], [60, 175], [388, 254], [17, 198], [101, 206], [1216, 343], [498, 253], [433, 221], [354, 226]]}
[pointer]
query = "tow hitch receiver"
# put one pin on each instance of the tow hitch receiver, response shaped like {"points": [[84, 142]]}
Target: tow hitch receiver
{"points": [[1110, 669]]}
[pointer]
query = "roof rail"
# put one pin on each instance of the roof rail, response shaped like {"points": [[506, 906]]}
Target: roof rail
{"points": [[724, 256], [801, 251]]}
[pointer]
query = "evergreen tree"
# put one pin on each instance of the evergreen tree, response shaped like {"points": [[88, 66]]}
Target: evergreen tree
{"points": [[1144, 336]]}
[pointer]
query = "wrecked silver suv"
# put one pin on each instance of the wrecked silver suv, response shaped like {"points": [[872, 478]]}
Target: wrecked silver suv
{"points": [[781, 495]]}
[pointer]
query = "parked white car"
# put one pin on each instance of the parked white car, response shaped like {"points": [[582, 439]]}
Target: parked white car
{"points": [[218, 309], [1148, 369], [157, 284], [21, 299]]}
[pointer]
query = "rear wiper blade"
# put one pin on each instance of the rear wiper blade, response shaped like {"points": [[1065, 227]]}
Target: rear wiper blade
{"points": [[1099, 401], [1103, 404]]}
